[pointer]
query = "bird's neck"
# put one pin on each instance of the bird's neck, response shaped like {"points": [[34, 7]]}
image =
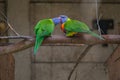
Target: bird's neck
{"points": [[68, 19]]}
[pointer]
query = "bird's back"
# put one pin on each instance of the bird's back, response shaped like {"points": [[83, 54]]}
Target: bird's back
{"points": [[44, 26], [75, 26]]}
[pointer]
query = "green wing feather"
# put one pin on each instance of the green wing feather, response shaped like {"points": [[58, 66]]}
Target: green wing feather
{"points": [[95, 35], [42, 29], [77, 26], [38, 42]]}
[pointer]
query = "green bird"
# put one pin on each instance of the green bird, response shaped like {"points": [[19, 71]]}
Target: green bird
{"points": [[44, 28], [71, 27]]}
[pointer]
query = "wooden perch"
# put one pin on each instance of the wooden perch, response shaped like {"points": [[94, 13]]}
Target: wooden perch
{"points": [[57, 40]]}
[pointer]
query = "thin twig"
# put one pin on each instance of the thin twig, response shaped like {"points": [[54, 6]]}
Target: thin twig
{"points": [[112, 54], [97, 16], [78, 60], [9, 25], [64, 44], [13, 29], [15, 37]]}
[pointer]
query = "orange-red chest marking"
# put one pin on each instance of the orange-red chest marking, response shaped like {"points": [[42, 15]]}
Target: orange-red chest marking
{"points": [[63, 28]]}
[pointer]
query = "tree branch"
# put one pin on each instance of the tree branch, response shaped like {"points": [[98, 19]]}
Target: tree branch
{"points": [[79, 59], [13, 29], [57, 40], [16, 37]]}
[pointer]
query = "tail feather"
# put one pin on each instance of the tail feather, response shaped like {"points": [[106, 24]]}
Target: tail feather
{"points": [[96, 35], [38, 42]]}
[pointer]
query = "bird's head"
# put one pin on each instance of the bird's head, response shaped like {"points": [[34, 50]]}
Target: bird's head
{"points": [[56, 20], [63, 18], [60, 19]]}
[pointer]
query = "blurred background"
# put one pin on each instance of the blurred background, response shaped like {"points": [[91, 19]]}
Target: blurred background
{"points": [[56, 62]]}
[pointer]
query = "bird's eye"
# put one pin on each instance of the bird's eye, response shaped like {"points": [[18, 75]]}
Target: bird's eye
{"points": [[62, 16]]}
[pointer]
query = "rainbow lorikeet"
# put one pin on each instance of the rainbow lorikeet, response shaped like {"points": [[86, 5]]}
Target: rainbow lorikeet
{"points": [[71, 27], [43, 29]]}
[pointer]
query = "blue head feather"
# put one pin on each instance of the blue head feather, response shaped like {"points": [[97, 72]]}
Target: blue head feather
{"points": [[56, 20], [63, 18]]}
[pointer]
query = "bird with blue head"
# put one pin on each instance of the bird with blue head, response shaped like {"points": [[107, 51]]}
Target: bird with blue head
{"points": [[44, 28], [72, 27], [63, 18]]}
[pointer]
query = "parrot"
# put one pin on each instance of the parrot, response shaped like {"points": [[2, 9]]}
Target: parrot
{"points": [[72, 27], [44, 28]]}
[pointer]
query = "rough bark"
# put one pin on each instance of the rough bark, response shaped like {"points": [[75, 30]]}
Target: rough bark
{"points": [[60, 41]]}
